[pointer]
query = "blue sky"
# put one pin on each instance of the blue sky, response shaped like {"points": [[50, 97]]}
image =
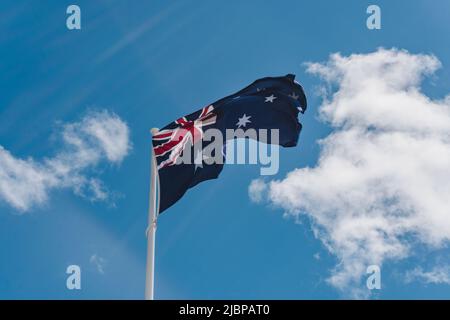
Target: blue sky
{"points": [[150, 62]]}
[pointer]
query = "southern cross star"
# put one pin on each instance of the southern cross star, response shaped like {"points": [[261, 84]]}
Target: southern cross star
{"points": [[242, 122], [270, 98], [294, 96], [199, 160]]}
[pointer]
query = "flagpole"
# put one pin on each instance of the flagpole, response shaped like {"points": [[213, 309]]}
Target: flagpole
{"points": [[151, 229]]}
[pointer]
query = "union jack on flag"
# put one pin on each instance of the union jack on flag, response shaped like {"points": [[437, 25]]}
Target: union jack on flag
{"points": [[186, 132]]}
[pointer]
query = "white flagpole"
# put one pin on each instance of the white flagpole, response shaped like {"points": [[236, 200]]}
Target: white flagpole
{"points": [[151, 229]]}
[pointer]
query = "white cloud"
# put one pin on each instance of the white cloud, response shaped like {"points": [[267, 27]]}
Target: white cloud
{"points": [[256, 190], [98, 262], [98, 190], [382, 181], [437, 275], [99, 136]]}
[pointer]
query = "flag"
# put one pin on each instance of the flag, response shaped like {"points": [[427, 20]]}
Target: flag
{"points": [[268, 103]]}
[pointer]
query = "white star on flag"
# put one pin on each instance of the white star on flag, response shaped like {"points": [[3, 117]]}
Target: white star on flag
{"points": [[294, 96], [270, 98], [242, 122], [199, 159]]}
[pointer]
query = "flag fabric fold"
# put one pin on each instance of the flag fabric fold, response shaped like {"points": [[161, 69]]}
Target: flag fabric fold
{"points": [[268, 103]]}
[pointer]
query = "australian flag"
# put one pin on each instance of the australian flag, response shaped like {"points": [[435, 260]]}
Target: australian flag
{"points": [[268, 103]]}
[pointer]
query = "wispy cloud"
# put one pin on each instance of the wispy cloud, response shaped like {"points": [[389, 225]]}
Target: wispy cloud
{"points": [[437, 275], [98, 262], [383, 177], [137, 33], [256, 190], [99, 137]]}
